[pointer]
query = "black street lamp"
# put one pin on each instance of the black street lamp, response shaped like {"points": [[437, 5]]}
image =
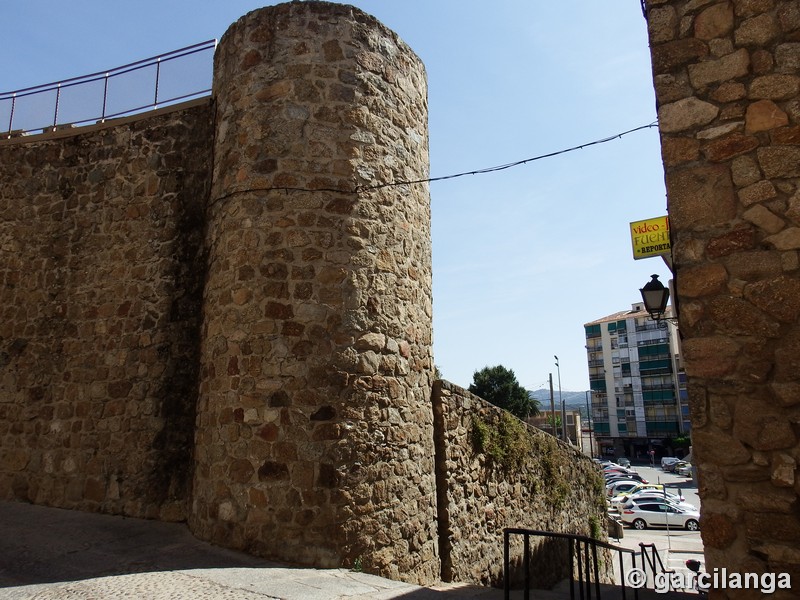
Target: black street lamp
{"points": [[655, 297]]}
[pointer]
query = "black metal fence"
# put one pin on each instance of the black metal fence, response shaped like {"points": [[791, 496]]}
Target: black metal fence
{"points": [[584, 564], [133, 88]]}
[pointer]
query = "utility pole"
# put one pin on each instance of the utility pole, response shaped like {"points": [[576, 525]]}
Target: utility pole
{"points": [[589, 423], [553, 408]]}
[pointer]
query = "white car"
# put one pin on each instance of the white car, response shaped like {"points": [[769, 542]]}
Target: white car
{"points": [[621, 486], [659, 514], [651, 496], [626, 491]]}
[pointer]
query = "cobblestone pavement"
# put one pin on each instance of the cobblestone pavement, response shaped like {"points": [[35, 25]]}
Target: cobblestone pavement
{"points": [[49, 553]]}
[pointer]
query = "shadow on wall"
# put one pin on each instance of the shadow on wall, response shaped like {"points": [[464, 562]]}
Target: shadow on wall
{"points": [[549, 564]]}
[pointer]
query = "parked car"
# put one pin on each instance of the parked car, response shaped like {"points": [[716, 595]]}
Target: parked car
{"points": [[615, 488], [612, 474], [670, 468], [623, 462], [653, 487], [628, 476], [684, 469], [668, 460], [678, 497], [623, 500], [616, 467], [659, 514]]}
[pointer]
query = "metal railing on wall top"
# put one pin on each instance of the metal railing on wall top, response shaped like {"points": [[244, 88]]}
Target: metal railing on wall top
{"points": [[139, 86]]}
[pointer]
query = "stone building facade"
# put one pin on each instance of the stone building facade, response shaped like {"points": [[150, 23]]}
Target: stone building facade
{"points": [[221, 312], [727, 79]]}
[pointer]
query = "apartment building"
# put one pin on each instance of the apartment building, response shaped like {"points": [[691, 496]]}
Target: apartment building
{"points": [[638, 387]]}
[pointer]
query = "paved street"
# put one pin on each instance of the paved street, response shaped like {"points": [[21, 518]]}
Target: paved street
{"points": [[675, 546], [48, 553]]}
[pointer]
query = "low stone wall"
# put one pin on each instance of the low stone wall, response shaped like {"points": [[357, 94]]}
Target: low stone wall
{"points": [[494, 472]]}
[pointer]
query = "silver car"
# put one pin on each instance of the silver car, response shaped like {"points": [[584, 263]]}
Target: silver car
{"points": [[667, 461]]}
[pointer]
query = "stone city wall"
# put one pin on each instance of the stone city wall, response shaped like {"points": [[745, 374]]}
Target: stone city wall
{"points": [[101, 266], [727, 78], [493, 472], [315, 430], [218, 312]]}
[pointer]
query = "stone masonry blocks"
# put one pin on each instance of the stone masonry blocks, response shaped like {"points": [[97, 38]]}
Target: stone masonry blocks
{"points": [[727, 79], [557, 489], [220, 312], [102, 268]]}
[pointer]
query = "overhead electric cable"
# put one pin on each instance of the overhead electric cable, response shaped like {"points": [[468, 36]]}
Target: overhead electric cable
{"points": [[367, 188], [507, 165]]}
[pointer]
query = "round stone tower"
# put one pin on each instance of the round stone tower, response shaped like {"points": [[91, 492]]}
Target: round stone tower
{"points": [[314, 440]]}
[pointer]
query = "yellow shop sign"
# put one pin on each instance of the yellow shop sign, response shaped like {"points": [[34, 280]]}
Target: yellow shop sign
{"points": [[650, 237]]}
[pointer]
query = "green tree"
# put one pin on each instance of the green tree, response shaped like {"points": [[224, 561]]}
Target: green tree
{"points": [[682, 441], [550, 421], [499, 386]]}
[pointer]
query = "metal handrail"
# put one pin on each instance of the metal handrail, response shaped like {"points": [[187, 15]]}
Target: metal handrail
{"points": [[580, 546], [105, 76], [652, 560]]}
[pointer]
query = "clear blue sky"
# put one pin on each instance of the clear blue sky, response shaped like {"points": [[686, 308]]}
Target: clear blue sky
{"points": [[522, 258]]}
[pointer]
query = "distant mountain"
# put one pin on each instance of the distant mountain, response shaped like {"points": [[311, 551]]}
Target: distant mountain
{"points": [[572, 400]]}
